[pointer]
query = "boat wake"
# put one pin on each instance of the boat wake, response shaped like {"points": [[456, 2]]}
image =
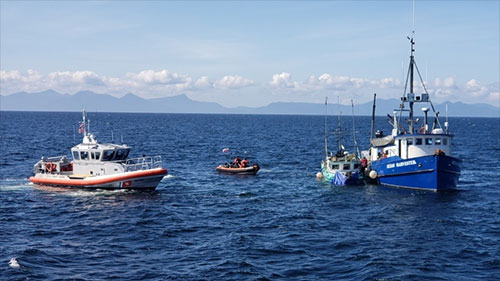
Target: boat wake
{"points": [[168, 177], [11, 184], [93, 193], [72, 192], [265, 170]]}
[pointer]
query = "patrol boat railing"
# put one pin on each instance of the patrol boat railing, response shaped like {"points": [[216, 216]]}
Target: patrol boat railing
{"points": [[143, 163]]}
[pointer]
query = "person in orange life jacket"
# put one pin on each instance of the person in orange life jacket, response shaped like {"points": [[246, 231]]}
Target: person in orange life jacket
{"points": [[237, 162], [244, 163]]}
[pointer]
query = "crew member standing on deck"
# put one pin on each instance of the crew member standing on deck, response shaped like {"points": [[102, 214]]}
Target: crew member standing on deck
{"points": [[244, 163], [237, 162]]}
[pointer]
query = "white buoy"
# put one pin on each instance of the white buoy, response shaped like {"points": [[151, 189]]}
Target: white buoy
{"points": [[13, 263], [319, 175], [373, 174]]}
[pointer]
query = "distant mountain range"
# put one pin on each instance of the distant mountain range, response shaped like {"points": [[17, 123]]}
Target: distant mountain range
{"points": [[53, 101]]}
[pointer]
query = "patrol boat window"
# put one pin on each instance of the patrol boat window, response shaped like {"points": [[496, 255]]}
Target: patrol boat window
{"points": [[428, 141], [437, 141], [76, 155], [84, 155], [445, 141], [122, 154], [108, 155], [418, 141], [409, 141], [347, 166]]}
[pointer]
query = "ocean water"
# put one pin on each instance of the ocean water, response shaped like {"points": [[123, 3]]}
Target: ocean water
{"points": [[282, 224]]}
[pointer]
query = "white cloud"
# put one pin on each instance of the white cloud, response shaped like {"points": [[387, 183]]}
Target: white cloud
{"points": [[160, 77], [283, 81], [362, 88], [150, 83], [232, 82], [77, 77], [203, 83], [448, 82], [147, 83]]}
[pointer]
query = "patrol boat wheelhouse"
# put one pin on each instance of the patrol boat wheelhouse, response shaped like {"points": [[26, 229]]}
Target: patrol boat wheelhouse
{"points": [[414, 158], [99, 166], [341, 168]]}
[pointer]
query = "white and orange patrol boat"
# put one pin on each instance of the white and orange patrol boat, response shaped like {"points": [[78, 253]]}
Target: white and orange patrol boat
{"points": [[99, 166]]}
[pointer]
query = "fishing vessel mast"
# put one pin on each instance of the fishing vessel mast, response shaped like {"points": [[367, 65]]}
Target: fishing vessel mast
{"points": [[326, 128], [411, 97], [341, 147]]}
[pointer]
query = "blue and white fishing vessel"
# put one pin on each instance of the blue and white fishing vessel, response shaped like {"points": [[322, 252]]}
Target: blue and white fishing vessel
{"points": [[417, 157], [341, 168]]}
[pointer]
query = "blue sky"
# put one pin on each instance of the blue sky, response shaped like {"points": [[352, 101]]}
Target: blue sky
{"points": [[250, 52]]}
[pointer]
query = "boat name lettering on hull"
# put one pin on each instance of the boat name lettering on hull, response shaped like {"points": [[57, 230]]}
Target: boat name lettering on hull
{"points": [[401, 164]]}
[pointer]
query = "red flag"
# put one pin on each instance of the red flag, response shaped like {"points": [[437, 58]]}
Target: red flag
{"points": [[80, 129]]}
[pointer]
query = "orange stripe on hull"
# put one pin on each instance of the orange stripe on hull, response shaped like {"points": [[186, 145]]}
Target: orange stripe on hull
{"points": [[95, 182]]}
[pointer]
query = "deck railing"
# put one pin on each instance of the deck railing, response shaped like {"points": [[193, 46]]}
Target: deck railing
{"points": [[143, 163]]}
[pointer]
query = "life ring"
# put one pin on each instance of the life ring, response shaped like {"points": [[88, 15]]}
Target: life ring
{"points": [[48, 166]]}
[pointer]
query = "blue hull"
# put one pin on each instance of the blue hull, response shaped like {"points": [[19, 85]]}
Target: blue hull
{"points": [[431, 172]]}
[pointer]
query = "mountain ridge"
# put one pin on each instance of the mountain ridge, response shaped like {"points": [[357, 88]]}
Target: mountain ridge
{"points": [[51, 100]]}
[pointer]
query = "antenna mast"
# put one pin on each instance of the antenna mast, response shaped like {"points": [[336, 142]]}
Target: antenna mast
{"points": [[411, 93], [340, 127], [326, 130], [354, 131], [373, 118]]}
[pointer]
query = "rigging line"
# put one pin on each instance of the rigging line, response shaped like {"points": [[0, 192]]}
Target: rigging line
{"points": [[354, 130], [425, 89], [406, 87], [326, 130], [340, 127]]}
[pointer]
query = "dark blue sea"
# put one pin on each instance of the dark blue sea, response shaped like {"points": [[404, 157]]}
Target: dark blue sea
{"points": [[282, 224]]}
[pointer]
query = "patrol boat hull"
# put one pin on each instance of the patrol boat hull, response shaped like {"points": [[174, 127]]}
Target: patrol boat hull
{"points": [[137, 180], [430, 172]]}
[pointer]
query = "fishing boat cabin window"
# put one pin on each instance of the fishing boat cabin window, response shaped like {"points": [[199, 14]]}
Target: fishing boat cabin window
{"points": [[445, 141], [347, 166], [84, 155], [418, 141], [335, 166], [437, 141], [409, 141], [356, 166], [428, 141], [108, 155], [76, 156]]}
